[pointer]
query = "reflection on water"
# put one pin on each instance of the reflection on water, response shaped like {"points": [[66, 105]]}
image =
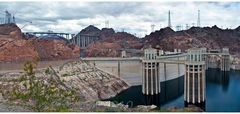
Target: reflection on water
{"points": [[222, 93], [218, 77], [170, 90], [223, 90]]}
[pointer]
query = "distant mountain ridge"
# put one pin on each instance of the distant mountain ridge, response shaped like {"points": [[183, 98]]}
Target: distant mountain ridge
{"points": [[209, 37], [166, 39]]}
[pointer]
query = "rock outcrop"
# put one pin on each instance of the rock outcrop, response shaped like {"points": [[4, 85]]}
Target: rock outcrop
{"points": [[22, 50], [55, 49], [89, 82], [212, 38], [10, 31], [103, 34], [112, 45], [106, 33], [17, 50], [91, 30], [14, 47]]}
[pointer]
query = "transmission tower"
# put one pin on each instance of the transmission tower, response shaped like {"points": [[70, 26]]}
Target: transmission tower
{"points": [[107, 24], [198, 20], [169, 19], [193, 24], [152, 27], [187, 26], [178, 28], [7, 17]]}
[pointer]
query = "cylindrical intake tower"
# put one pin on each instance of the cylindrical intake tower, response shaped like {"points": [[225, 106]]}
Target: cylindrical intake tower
{"points": [[150, 77], [194, 78]]}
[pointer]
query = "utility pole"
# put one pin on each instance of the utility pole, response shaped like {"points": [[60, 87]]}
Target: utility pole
{"points": [[13, 19]]}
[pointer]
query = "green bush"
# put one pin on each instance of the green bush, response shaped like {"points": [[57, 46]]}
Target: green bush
{"points": [[43, 94]]}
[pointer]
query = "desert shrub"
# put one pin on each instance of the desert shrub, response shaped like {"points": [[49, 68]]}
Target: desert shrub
{"points": [[43, 94]]}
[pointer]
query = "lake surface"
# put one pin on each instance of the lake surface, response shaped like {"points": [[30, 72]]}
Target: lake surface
{"points": [[222, 93]]}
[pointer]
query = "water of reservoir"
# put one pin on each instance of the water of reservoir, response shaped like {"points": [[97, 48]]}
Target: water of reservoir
{"points": [[222, 93]]}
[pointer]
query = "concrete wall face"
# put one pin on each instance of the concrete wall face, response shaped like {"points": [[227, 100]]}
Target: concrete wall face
{"points": [[131, 71]]}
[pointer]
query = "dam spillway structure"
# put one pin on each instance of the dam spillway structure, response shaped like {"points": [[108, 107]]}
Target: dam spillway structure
{"points": [[150, 81], [195, 78]]}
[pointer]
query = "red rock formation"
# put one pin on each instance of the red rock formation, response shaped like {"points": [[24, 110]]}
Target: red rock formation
{"points": [[55, 49], [112, 46], [32, 49], [17, 50], [10, 30], [14, 48], [103, 49]]}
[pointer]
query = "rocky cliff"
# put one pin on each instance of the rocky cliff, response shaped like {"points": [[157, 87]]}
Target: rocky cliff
{"points": [[17, 50], [166, 39], [14, 47], [209, 37]]}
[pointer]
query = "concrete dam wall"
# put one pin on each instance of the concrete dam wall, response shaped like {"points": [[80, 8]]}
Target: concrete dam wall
{"points": [[131, 71]]}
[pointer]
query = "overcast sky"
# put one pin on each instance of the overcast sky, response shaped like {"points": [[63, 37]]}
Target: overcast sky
{"points": [[133, 17]]}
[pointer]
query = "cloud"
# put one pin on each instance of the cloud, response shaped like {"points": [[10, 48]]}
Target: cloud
{"points": [[133, 17]]}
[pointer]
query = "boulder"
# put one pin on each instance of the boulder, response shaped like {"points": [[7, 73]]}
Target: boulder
{"points": [[147, 107], [105, 103]]}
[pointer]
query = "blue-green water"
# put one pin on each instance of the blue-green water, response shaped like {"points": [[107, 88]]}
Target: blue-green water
{"points": [[222, 93]]}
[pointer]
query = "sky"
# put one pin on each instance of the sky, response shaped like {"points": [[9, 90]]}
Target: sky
{"points": [[132, 17]]}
